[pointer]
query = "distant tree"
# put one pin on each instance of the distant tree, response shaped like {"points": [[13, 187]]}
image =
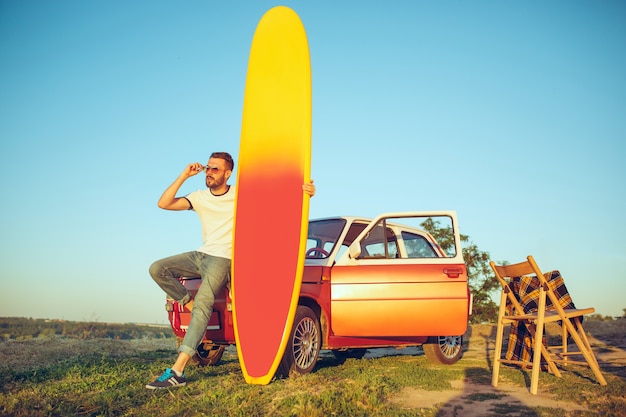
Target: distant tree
{"points": [[482, 281]]}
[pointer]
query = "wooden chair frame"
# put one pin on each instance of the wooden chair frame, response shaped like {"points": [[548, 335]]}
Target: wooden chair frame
{"points": [[571, 322]]}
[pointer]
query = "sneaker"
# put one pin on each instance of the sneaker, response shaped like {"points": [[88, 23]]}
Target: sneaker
{"points": [[169, 379]]}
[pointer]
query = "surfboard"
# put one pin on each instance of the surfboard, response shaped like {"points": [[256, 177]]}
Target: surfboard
{"points": [[271, 210]]}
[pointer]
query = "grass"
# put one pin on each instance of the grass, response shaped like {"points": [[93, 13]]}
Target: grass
{"points": [[112, 384], [108, 386]]}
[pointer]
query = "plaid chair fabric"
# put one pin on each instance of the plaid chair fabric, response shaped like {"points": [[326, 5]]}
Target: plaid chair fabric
{"points": [[526, 289]]}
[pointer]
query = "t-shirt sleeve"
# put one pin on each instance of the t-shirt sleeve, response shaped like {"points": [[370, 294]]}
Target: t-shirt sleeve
{"points": [[191, 197]]}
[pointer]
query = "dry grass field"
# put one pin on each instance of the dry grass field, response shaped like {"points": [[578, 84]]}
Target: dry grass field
{"points": [[385, 382]]}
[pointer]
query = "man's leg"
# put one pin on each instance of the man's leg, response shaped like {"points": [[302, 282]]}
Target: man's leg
{"points": [[215, 272], [166, 272]]}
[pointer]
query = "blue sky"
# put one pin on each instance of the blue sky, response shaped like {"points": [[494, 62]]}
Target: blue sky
{"points": [[511, 113]]}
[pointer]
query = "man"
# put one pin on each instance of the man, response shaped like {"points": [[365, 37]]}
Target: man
{"points": [[215, 207]]}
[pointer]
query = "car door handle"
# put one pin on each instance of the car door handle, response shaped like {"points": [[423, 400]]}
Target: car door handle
{"points": [[453, 272]]}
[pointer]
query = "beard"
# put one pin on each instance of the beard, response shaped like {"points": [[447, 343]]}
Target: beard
{"points": [[214, 182]]}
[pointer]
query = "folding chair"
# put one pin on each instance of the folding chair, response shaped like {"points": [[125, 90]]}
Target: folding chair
{"points": [[528, 301]]}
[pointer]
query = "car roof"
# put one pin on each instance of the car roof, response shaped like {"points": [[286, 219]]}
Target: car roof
{"points": [[351, 219]]}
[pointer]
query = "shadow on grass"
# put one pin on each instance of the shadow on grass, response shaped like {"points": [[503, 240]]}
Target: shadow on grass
{"points": [[475, 401]]}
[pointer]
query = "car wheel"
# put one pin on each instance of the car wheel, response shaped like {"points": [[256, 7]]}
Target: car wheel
{"points": [[207, 354], [304, 344], [444, 349]]}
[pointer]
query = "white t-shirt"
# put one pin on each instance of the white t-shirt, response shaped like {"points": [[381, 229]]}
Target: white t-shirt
{"points": [[216, 215]]}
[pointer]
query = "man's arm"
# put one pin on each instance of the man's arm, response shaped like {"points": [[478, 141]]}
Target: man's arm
{"points": [[168, 200]]}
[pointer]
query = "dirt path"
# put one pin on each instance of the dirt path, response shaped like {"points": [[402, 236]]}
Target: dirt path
{"points": [[469, 399], [478, 400]]}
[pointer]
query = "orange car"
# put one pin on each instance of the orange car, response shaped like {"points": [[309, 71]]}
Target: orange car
{"points": [[367, 283]]}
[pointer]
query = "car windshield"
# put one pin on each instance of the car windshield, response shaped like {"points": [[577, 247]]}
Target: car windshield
{"points": [[322, 237]]}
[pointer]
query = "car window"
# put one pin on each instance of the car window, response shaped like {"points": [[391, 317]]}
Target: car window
{"points": [[417, 246], [380, 242], [422, 237], [441, 230], [322, 237]]}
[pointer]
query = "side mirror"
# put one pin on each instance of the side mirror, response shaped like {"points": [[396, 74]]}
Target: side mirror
{"points": [[355, 250]]}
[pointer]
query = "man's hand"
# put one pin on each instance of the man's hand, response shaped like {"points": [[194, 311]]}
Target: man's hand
{"points": [[168, 200], [309, 188], [192, 169]]}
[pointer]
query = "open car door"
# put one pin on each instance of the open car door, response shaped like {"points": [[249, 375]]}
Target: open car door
{"points": [[403, 275]]}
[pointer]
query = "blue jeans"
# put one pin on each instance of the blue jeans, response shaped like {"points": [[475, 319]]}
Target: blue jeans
{"points": [[213, 270]]}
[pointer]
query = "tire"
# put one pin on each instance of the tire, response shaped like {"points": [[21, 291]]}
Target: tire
{"points": [[207, 354], [304, 344], [445, 350]]}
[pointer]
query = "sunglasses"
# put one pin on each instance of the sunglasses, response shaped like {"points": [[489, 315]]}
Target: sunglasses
{"points": [[210, 169]]}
